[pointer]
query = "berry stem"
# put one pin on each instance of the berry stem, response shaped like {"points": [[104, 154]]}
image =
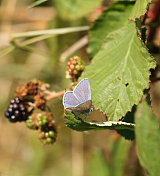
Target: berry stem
{"points": [[76, 46], [53, 95]]}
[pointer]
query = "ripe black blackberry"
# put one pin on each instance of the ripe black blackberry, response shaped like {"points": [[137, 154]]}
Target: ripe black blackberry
{"points": [[17, 110]]}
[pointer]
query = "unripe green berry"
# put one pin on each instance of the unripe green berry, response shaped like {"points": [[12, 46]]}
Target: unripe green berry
{"points": [[29, 121], [39, 117], [78, 67], [40, 123], [29, 124], [82, 67], [49, 140], [45, 117], [45, 121], [51, 133], [46, 134], [30, 118]]}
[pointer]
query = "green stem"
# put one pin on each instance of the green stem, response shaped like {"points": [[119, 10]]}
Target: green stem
{"points": [[25, 47], [37, 36], [6, 50], [35, 39], [50, 32]]}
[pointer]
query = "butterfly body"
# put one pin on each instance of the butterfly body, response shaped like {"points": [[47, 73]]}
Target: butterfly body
{"points": [[79, 99]]}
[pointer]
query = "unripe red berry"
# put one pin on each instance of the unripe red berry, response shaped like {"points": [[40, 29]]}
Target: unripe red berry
{"points": [[75, 67]]}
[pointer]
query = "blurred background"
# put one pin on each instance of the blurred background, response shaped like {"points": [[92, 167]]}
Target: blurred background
{"points": [[94, 153]]}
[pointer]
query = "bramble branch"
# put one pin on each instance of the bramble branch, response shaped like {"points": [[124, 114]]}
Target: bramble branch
{"points": [[55, 94]]}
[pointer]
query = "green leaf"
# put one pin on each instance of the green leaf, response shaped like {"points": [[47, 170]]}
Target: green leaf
{"points": [[71, 9], [119, 72], [78, 122], [148, 139], [36, 3], [139, 9], [113, 18], [98, 165], [119, 152], [114, 167]]}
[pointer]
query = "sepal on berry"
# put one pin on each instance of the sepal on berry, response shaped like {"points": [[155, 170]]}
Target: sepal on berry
{"points": [[33, 92]]}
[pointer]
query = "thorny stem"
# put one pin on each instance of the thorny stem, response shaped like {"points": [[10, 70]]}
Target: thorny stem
{"points": [[52, 95], [35, 39]]}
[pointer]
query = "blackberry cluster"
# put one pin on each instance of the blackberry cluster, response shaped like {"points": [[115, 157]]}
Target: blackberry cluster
{"points": [[28, 98], [41, 120], [45, 125], [48, 135], [17, 111], [75, 67], [37, 120]]}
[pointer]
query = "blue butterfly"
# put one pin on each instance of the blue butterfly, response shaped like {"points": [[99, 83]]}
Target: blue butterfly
{"points": [[80, 98]]}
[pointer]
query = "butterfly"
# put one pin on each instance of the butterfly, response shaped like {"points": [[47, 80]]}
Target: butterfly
{"points": [[80, 98]]}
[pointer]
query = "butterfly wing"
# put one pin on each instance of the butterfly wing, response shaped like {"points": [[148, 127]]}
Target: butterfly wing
{"points": [[82, 91], [86, 106], [69, 100]]}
